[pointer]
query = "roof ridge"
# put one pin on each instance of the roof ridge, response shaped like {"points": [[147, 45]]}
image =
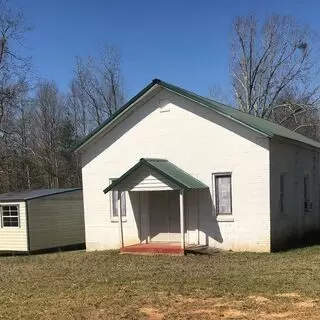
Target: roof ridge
{"points": [[303, 139], [263, 126], [154, 159]]}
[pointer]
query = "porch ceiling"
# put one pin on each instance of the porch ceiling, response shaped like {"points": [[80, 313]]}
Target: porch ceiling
{"points": [[164, 168]]}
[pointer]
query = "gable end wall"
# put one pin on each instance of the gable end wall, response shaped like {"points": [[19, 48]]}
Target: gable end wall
{"points": [[200, 142]]}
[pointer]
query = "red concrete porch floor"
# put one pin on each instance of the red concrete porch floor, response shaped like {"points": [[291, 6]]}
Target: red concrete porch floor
{"points": [[157, 248]]}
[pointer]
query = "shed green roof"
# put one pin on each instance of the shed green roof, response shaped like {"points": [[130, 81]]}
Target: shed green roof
{"points": [[167, 170], [261, 125]]}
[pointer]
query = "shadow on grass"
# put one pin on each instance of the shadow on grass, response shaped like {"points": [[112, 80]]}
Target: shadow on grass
{"points": [[308, 240]]}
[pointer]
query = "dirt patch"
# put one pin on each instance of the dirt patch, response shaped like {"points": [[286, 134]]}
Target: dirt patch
{"points": [[259, 299], [152, 313], [281, 315], [306, 304], [282, 306], [233, 313], [288, 295]]}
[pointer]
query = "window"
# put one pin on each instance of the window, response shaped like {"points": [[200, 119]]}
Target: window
{"points": [[114, 203], [9, 216], [306, 193], [282, 190], [115, 210], [222, 183]]}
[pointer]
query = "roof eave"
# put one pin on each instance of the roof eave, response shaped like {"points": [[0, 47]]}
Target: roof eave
{"points": [[118, 115], [217, 111], [152, 167], [297, 143]]}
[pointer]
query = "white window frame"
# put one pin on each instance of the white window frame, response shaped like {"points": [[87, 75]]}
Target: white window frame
{"points": [[113, 209], [228, 217], [1, 214]]}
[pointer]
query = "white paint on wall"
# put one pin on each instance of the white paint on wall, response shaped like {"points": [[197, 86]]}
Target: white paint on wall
{"points": [[146, 179], [294, 161], [198, 141]]}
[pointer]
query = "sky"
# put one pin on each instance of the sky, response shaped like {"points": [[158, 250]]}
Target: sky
{"points": [[184, 42]]}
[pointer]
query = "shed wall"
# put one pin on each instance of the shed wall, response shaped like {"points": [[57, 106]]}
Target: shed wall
{"points": [[12, 238], [56, 221]]}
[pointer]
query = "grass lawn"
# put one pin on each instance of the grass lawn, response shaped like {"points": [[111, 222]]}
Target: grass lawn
{"points": [[106, 285]]}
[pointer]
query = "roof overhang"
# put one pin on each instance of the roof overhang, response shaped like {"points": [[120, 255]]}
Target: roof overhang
{"points": [[171, 176], [261, 126], [142, 97]]}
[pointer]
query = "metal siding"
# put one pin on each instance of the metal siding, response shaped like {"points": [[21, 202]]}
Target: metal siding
{"points": [[56, 221]]}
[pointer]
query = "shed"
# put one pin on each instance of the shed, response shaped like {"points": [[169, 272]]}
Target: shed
{"points": [[41, 219]]}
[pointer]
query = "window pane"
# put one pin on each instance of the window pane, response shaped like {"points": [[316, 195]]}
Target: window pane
{"points": [[6, 222], [10, 216], [114, 203], [123, 204], [5, 210], [10, 222], [14, 208], [223, 194]]}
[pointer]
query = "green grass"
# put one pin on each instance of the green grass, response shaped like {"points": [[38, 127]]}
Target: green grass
{"points": [[106, 285]]}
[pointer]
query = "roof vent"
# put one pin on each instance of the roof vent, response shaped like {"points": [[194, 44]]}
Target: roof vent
{"points": [[164, 105]]}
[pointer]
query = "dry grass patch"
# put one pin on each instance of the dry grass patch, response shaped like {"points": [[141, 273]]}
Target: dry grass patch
{"points": [[106, 285]]}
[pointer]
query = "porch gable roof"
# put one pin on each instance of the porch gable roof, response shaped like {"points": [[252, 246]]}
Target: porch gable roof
{"points": [[165, 168]]}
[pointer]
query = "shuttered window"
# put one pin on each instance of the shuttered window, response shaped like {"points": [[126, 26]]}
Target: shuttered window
{"points": [[223, 194], [9, 216]]}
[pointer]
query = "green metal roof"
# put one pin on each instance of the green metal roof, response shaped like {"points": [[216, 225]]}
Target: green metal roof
{"points": [[263, 126], [167, 170], [266, 127]]}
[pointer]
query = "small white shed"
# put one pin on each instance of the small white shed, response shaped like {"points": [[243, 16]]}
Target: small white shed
{"points": [[41, 219]]}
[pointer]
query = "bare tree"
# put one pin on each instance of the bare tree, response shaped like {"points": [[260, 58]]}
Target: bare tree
{"points": [[13, 67], [48, 115], [96, 90], [274, 70], [217, 93]]}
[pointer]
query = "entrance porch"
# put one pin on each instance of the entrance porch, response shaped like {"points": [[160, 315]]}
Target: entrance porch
{"points": [[161, 248], [158, 190]]}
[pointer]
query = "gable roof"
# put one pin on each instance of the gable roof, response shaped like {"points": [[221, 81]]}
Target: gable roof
{"points": [[33, 194], [263, 126], [167, 170]]}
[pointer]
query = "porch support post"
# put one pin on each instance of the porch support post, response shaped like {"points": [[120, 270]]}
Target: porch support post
{"points": [[182, 218], [120, 219]]}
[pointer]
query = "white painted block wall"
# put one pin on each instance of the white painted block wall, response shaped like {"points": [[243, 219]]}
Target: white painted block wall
{"points": [[294, 161], [199, 141]]}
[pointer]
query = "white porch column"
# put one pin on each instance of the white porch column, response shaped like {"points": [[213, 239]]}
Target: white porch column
{"points": [[120, 219], [182, 218]]}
